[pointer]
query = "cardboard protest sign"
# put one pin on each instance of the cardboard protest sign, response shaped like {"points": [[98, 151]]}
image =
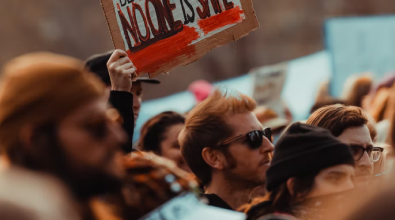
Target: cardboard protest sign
{"points": [[268, 83], [162, 34], [188, 207]]}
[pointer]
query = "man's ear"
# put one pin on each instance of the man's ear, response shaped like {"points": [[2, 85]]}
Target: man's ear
{"points": [[290, 185], [214, 158]]}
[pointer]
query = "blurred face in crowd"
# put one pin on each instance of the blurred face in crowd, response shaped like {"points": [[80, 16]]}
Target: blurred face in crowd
{"points": [[360, 136], [244, 164], [333, 180], [137, 90], [91, 141], [170, 147]]}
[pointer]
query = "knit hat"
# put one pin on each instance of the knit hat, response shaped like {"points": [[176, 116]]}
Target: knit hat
{"points": [[304, 149], [42, 87]]}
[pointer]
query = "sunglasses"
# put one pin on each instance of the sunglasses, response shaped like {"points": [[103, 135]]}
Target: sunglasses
{"points": [[254, 138], [374, 153]]}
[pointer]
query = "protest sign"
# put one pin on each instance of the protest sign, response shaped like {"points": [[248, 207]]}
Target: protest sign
{"points": [[159, 35], [188, 207], [268, 83], [360, 44]]}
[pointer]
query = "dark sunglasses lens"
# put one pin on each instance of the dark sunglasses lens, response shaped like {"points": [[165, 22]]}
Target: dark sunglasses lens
{"points": [[255, 138], [267, 132]]}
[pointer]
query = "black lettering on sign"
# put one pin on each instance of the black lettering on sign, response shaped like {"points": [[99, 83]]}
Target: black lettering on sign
{"points": [[127, 28], [216, 6], [155, 31], [203, 12], [183, 12], [147, 32], [187, 18], [176, 25], [228, 5], [167, 25], [123, 3], [190, 18], [162, 16]]}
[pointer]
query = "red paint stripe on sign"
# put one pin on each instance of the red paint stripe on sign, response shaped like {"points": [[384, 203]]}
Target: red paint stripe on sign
{"points": [[165, 51], [218, 21]]}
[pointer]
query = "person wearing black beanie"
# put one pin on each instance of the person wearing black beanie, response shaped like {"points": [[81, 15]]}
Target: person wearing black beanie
{"points": [[308, 162]]}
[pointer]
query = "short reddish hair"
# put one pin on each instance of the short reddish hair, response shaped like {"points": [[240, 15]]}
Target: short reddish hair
{"points": [[205, 126], [337, 118]]}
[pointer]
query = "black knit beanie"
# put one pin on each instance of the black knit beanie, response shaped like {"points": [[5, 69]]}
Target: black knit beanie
{"points": [[304, 149]]}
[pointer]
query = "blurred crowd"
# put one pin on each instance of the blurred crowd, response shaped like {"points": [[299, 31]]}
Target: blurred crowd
{"points": [[67, 151]]}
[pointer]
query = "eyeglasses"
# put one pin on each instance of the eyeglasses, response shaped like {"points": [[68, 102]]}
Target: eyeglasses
{"points": [[254, 138], [373, 152]]}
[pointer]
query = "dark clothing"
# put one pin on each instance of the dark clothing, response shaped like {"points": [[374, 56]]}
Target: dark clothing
{"points": [[277, 217], [123, 102], [216, 201], [304, 150]]}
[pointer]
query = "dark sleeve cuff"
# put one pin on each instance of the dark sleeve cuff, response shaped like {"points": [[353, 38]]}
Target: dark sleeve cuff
{"points": [[121, 99], [123, 102]]}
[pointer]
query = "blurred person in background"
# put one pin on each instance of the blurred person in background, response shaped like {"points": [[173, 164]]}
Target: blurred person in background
{"points": [[391, 135], [160, 136], [351, 125], [268, 118], [356, 88], [324, 99], [124, 89], [309, 164], [378, 104], [201, 89], [227, 148], [150, 182], [54, 121]]}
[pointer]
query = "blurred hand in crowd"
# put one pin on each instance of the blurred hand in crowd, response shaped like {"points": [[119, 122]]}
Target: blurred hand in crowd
{"points": [[122, 71]]}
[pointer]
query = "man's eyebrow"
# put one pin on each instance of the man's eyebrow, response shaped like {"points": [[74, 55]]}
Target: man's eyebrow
{"points": [[361, 145]]}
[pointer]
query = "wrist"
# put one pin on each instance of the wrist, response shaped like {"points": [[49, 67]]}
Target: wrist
{"points": [[120, 88]]}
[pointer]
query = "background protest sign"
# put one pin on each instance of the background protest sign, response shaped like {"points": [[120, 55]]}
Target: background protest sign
{"points": [[162, 34], [268, 83], [360, 44]]}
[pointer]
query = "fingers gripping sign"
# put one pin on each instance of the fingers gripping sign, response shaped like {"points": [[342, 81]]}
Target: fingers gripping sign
{"points": [[122, 71]]}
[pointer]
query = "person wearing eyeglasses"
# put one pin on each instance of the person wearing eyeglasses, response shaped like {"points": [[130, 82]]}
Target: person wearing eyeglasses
{"points": [[352, 126], [226, 147], [55, 127], [310, 170]]}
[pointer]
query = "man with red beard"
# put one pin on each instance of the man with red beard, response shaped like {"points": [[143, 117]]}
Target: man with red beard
{"points": [[227, 148]]}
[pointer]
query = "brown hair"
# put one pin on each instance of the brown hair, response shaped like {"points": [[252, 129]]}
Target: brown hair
{"points": [[391, 116], [153, 131], [205, 126], [280, 199], [358, 90], [150, 182], [337, 118]]}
